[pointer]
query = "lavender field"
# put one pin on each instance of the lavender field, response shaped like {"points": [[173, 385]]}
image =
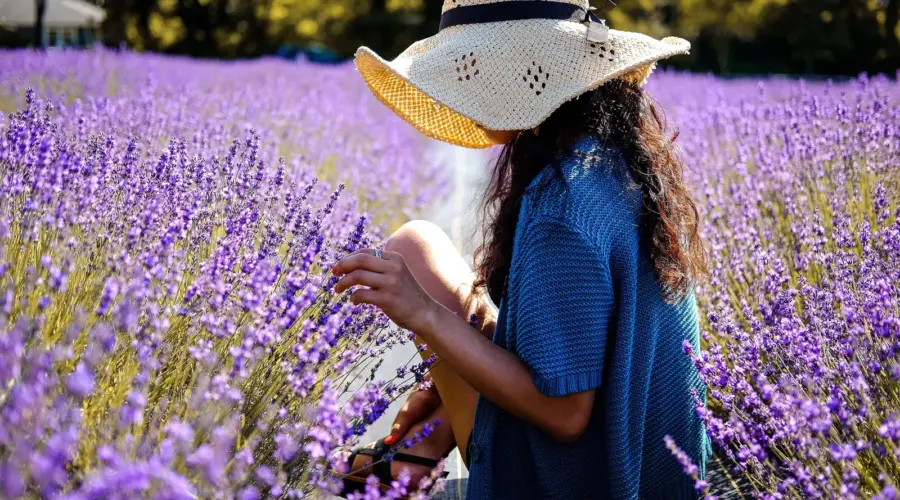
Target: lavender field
{"points": [[167, 328], [798, 190]]}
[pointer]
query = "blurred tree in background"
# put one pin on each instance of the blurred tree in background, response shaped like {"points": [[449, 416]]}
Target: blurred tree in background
{"points": [[831, 37], [251, 28]]}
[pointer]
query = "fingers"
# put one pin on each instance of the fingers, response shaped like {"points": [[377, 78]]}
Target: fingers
{"points": [[402, 422], [364, 296], [360, 277], [364, 259], [417, 407]]}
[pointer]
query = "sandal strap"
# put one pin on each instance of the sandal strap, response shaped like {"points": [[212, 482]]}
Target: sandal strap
{"points": [[380, 449], [416, 460], [352, 484], [377, 450], [381, 467]]}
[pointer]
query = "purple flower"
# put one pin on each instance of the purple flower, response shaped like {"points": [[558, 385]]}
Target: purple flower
{"points": [[12, 484], [888, 493], [266, 475], [81, 382], [197, 270], [799, 346], [890, 429], [249, 493], [687, 465]]}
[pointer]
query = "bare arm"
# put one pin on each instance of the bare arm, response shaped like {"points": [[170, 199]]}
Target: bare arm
{"points": [[501, 377], [494, 372]]}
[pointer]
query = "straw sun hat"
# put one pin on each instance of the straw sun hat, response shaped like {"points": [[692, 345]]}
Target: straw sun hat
{"points": [[506, 65]]}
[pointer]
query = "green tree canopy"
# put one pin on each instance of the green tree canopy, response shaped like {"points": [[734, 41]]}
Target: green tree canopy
{"points": [[745, 36]]}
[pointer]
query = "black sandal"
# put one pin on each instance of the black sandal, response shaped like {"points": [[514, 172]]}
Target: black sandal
{"points": [[381, 467]]}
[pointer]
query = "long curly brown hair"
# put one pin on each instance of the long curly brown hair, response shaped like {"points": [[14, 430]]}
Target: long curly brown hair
{"points": [[622, 112]]}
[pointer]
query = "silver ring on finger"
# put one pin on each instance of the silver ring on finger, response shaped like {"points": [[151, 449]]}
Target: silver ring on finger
{"points": [[378, 253]]}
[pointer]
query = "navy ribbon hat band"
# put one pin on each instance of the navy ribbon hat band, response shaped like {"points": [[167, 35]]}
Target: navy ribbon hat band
{"points": [[515, 11]]}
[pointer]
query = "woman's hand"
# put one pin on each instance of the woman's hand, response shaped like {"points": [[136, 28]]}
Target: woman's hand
{"points": [[492, 371], [391, 287]]}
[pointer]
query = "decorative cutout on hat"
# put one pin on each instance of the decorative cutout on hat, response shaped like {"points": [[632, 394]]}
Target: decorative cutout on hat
{"points": [[536, 78], [467, 67], [602, 50]]}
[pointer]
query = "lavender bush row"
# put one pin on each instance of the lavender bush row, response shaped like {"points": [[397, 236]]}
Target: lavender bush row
{"points": [[167, 325], [321, 119], [798, 189]]}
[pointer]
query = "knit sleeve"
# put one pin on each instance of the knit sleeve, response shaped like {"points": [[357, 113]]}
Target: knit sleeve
{"points": [[564, 302]]}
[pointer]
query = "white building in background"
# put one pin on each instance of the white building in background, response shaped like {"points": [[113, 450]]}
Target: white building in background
{"points": [[66, 22]]}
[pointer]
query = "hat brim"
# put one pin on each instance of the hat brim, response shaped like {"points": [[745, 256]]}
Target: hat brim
{"points": [[504, 76]]}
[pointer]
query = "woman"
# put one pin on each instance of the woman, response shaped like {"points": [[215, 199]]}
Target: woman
{"points": [[592, 251]]}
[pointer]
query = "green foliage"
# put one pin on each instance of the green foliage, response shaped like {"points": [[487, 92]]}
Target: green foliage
{"points": [[775, 36], [730, 36]]}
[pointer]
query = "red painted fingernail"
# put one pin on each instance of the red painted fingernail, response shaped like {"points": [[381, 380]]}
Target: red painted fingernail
{"points": [[334, 270], [389, 440]]}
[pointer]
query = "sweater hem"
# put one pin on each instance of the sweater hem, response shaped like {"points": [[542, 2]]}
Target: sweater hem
{"points": [[567, 384]]}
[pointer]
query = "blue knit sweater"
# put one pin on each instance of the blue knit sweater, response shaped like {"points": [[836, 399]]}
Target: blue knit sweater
{"points": [[584, 310]]}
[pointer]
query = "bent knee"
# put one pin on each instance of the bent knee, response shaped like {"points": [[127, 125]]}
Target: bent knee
{"points": [[435, 262], [417, 237]]}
